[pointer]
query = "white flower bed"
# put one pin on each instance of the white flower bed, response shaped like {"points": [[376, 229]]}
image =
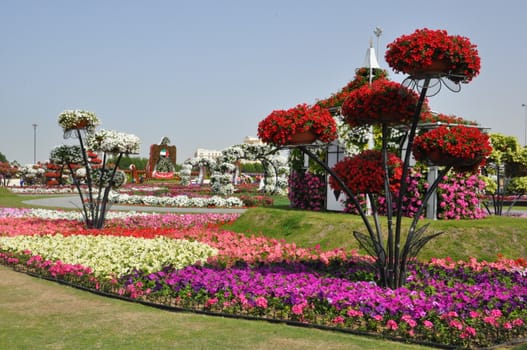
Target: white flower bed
{"points": [[111, 256], [43, 190], [181, 201], [64, 215], [177, 201]]}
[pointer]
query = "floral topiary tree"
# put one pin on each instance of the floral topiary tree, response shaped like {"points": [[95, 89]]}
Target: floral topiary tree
{"points": [[100, 176], [430, 58]]}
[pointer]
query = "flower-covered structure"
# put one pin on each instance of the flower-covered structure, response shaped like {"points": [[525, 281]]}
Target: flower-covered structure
{"points": [[162, 160], [75, 119], [394, 106], [113, 142], [279, 127], [428, 51], [99, 177]]}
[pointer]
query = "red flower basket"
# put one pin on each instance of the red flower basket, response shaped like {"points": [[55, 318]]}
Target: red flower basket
{"points": [[52, 166], [52, 174], [383, 101], [364, 173], [362, 77], [463, 147], [279, 127], [429, 52]]}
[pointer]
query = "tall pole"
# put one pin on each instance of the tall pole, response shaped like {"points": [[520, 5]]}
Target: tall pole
{"points": [[35, 143], [525, 135]]}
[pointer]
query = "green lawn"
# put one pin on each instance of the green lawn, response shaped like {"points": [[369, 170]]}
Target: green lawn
{"points": [[462, 239]]}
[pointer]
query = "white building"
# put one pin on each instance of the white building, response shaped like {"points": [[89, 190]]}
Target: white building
{"points": [[207, 153]]}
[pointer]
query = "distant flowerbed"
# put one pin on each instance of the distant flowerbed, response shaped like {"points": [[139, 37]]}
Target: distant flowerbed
{"points": [[168, 196], [188, 262]]}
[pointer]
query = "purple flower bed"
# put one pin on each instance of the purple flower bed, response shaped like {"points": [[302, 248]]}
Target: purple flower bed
{"points": [[459, 306]]}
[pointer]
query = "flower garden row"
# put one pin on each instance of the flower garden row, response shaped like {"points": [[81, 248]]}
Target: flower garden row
{"points": [[166, 196], [189, 262]]}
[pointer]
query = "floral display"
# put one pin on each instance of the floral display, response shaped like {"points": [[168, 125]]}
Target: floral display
{"points": [[416, 184], [110, 256], [177, 201], [362, 77], [465, 148], [306, 191], [383, 101], [110, 141], [78, 119], [66, 154], [460, 196], [279, 127], [418, 53], [363, 173], [465, 304], [441, 118]]}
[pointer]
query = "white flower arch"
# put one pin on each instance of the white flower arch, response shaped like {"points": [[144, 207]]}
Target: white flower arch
{"points": [[202, 162], [224, 169], [276, 169]]}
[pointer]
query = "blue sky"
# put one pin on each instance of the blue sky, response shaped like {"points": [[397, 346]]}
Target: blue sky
{"points": [[204, 73]]}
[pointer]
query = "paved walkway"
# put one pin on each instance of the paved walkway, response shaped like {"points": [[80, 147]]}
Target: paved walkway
{"points": [[75, 202]]}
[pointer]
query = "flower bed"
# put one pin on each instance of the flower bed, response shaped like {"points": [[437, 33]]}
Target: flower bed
{"points": [[168, 196], [444, 303]]}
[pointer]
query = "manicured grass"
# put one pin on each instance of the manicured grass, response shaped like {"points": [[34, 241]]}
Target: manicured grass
{"points": [[9, 199]]}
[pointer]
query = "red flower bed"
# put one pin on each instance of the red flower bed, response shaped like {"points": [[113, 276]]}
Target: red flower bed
{"points": [[383, 101], [418, 52], [363, 173], [279, 126]]}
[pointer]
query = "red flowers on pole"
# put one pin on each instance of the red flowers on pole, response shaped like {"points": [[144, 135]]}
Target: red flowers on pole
{"points": [[463, 147], [279, 127], [421, 51], [383, 101], [364, 172]]}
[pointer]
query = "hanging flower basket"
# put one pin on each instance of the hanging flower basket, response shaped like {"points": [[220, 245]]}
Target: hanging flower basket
{"points": [[78, 119], [303, 137], [383, 101], [283, 127], [363, 173], [432, 53], [362, 77], [463, 147], [435, 68]]}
